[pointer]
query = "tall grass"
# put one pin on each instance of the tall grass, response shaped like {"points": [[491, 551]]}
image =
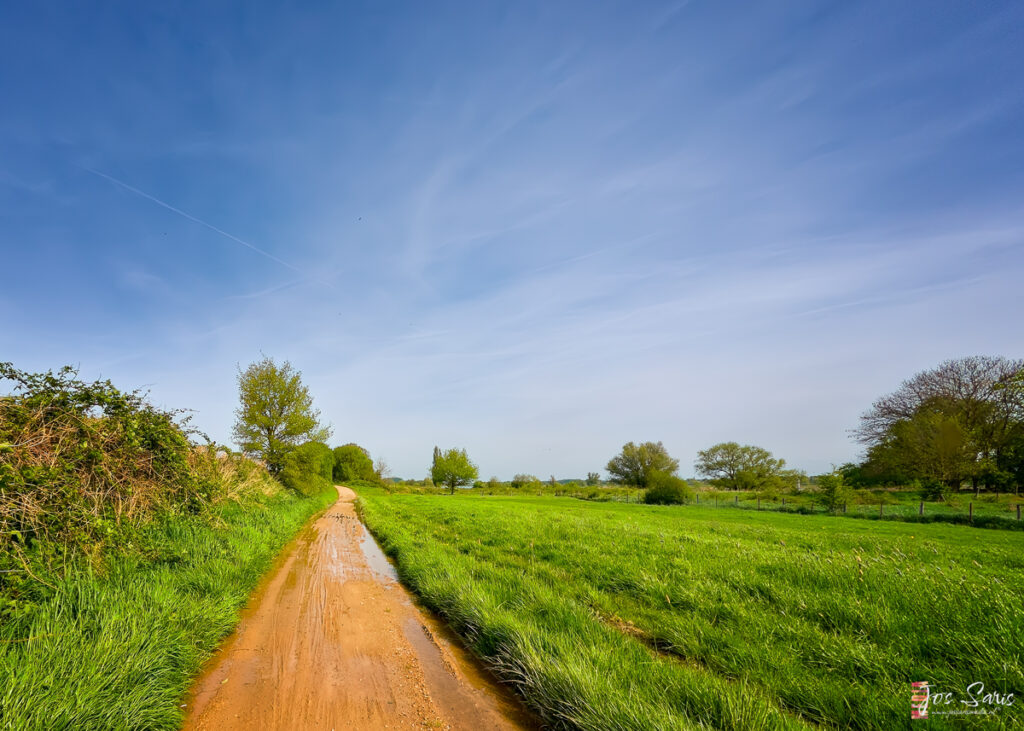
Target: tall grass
{"points": [[605, 615], [115, 646], [125, 552]]}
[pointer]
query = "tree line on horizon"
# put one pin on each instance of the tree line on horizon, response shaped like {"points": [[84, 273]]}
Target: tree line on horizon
{"points": [[958, 424], [961, 423]]}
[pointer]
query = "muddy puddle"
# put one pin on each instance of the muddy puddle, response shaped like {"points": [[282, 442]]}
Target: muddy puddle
{"points": [[376, 559], [458, 681], [331, 640]]}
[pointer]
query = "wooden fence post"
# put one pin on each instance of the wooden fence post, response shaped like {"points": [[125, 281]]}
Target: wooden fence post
{"points": [[783, 502], [1018, 511], [844, 508], [759, 503], [920, 510], [880, 506], [737, 499]]}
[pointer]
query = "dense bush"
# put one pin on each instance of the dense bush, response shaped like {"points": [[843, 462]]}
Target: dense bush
{"points": [[89, 472], [77, 458], [666, 489], [308, 469], [352, 462], [932, 489]]}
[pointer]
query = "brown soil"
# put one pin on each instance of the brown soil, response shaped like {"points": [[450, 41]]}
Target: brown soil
{"points": [[332, 641]]}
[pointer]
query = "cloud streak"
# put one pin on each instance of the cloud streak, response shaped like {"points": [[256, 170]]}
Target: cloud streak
{"points": [[190, 217]]}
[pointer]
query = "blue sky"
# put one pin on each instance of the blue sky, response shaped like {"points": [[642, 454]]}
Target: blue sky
{"points": [[535, 230]]}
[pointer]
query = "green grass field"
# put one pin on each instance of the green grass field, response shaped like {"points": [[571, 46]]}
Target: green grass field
{"points": [[117, 648], [608, 615]]}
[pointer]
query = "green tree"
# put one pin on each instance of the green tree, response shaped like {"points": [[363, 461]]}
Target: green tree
{"points": [[352, 462], [307, 468], [635, 463], [722, 463], [740, 467], [935, 445], [832, 491], [453, 469], [593, 478], [275, 412]]}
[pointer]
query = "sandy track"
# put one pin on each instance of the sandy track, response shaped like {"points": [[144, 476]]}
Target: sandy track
{"points": [[331, 641]]}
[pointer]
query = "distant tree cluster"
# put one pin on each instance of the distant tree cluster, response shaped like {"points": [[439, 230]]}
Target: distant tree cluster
{"points": [[276, 422], [961, 422], [522, 480], [649, 465], [728, 465], [745, 467]]}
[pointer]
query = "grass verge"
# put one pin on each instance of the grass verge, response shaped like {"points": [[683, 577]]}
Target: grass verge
{"points": [[115, 646]]}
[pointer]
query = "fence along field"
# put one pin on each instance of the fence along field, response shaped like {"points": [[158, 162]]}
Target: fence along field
{"points": [[606, 615], [988, 510]]}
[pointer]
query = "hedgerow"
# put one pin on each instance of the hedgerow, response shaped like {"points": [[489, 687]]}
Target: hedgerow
{"points": [[84, 463], [76, 457]]}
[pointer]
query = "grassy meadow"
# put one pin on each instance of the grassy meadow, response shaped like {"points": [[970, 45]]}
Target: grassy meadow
{"points": [[612, 615]]}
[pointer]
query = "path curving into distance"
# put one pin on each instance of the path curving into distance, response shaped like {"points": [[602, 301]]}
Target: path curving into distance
{"points": [[331, 640]]}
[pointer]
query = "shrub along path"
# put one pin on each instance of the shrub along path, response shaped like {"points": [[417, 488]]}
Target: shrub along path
{"points": [[332, 640]]}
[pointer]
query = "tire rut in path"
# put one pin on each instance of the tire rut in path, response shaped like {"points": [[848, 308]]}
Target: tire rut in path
{"points": [[330, 641]]}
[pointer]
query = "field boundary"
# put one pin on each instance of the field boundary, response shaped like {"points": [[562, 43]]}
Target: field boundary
{"points": [[866, 511]]}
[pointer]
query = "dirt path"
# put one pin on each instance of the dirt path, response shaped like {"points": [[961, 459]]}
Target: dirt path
{"points": [[332, 641]]}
